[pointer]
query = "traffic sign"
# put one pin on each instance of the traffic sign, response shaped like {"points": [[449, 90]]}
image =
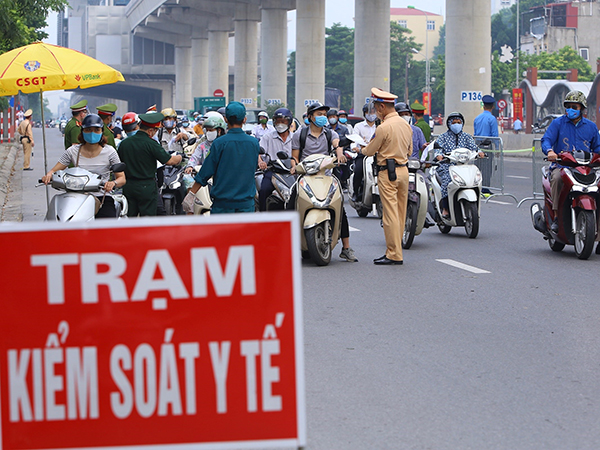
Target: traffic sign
{"points": [[218, 93], [471, 96], [501, 104], [193, 342]]}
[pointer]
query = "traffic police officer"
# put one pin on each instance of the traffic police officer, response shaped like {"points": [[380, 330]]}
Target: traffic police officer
{"points": [[106, 112], [485, 124], [140, 153], [393, 143], [418, 110], [73, 126]]}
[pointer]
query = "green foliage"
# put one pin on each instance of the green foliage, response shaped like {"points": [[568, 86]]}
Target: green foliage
{"points": [[274, 107], [339, 62], [33, 102], [401, 54], [504, 23], [440, 49]]}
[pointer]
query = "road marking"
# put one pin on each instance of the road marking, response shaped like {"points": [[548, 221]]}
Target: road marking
{"points": [[462, 266], [498, 202], [517, 176], [353, 229]]}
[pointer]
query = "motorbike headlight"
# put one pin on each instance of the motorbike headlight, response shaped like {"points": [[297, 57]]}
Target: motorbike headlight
{"points": [[175, 185], [457, 178], [477, 177], [75, 183], [304, 185], [282, 189], [414, 164]]}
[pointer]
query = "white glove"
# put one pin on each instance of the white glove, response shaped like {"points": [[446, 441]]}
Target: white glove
{"points": [[188, 202]]}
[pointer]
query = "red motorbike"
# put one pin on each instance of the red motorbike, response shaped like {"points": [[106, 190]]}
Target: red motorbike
{"points": [[577, 213]]}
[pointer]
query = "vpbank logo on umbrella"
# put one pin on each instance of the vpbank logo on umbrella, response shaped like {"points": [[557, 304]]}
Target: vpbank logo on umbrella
{"points": [[32, 66]]}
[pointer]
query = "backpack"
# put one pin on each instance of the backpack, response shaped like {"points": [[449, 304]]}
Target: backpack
{"points": [[304, 133]]}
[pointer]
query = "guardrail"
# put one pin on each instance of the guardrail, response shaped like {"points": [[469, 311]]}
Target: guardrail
{"points": [[537, 162]]}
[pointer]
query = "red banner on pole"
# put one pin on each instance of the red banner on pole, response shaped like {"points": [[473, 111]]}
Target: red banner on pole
{"points": [[427, 103], [152, 333], [518, 103]]}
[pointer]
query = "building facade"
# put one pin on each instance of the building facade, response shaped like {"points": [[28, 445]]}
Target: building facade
{"points": [[425, 27], [497, 5]]}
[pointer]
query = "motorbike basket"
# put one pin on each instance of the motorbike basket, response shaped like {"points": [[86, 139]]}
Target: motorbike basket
{"points": [[584, 179]]}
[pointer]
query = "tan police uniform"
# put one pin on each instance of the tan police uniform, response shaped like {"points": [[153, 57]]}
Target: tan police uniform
{"points": [[392, 140], [26, 134]]}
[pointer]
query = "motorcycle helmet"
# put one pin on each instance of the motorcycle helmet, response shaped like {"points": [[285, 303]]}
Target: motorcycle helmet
{"points": [[316, 106], [332, 112], [365, 108], [215, 122], [92, 120], [454, 115], [283, 113], [130, 120], [221, 111], [576, 97], [169, 112], [402, 107]]}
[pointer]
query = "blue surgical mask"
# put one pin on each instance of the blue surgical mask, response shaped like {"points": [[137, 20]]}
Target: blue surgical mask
{"points": [[456, 128], [131, 133], [185, 124], [169, 123], [321, 121], [573, 113], [371, 117], [343, 120], [91, 138], [306, 120], [332, 121]]}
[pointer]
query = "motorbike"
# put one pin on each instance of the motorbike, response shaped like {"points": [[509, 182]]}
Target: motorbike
{"points": [[173, 189], [464, 192], [282, 179], [417, 205], [368, 195], [578, 203], [77, 203], [319, 202]]}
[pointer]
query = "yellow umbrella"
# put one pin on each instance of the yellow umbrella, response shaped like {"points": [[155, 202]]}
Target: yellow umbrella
{"points": [[42, 67]]}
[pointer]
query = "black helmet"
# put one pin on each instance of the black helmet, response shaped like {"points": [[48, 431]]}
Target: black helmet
{"points": [[454, 115], [92, 120], [316, 106], [283, 113], [402, 107], [332, 112], [365, 108]]}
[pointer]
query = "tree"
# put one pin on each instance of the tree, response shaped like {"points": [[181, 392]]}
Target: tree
{"points": [[339, 62], [291, 81], [504, 23], [440, 48], [401, 53]]}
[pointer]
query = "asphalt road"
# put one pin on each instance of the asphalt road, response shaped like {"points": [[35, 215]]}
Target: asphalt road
{"points": [[431, 356]]}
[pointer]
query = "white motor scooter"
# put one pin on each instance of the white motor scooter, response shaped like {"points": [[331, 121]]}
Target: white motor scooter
{"points": [[418, 202], [464, 192], [77, 203], [363, 201]]}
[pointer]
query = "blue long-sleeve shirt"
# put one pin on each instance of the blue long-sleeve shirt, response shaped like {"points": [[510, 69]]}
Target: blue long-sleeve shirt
{"points": [[485, 124], [564, 136], [418, 139]]}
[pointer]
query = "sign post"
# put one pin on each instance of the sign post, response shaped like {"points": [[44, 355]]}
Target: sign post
{"points": [[518, 104], [116, 337]]}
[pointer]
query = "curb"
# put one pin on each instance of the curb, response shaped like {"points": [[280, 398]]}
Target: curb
{"points": [[7, 167]]}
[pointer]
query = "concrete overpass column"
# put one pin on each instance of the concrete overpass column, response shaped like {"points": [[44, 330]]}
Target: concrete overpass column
{"points": [[183, 77], [246, 54], [310, 53], [200, 67], [468, 67], [273, 61], [218, 63]]}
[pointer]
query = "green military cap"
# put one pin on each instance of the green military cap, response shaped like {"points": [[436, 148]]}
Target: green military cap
{"points": [[79, 106], [417, 107], [107, 110], [152, 119]]}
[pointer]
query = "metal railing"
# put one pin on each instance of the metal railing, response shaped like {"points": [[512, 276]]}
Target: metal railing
{"points": [[492, 167], [537, 162]]}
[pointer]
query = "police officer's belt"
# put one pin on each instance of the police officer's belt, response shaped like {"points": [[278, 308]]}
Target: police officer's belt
{"points": [[385, 167]]}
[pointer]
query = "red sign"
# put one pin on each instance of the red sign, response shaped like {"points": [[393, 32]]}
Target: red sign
{"points": [[501, 104], [427, 102], [152, 332], [518, 103], [218, 93]]}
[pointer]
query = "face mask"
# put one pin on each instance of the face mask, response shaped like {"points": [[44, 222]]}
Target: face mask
{"points": [[456, 128], [306, 120], [263, 121], [92, 138], [131, 133], [211, 135], [371, 117], [185, 124], [320, 121], [333, 121], [343, 120], [197, 119], [281, 127], [573, 113], [169, 123], [407, 118]]}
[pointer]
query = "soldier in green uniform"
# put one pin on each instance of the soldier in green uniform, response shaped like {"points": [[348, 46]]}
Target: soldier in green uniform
{"points": [[107, 112], [73, 126], [418, 110], [140, 153]]}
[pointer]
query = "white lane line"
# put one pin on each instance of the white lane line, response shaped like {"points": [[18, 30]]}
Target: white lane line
{"points": [[353, 229], [498, 202], [517, 176], [462, 266]]}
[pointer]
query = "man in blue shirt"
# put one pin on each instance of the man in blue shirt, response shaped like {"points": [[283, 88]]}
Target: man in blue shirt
{"points": [[418, 139], [566, 134], [485, 123], [231, 164]]}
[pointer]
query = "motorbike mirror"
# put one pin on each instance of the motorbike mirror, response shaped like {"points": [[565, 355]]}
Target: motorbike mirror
{"points": [[487, 142], [118, 167], [436, 145], [282, 155], [262, 151], [191, 141], [344, 142]]}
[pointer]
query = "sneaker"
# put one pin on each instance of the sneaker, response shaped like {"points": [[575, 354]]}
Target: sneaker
{"points": [[348, 255]]}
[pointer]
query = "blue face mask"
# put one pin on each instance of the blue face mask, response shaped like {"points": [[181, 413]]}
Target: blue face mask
{"points": [[131, 133], [169, 123], [321, 121], [185, 124], [573, 113], [456, 128], [343, 120], [306, 120], [92, 138]]}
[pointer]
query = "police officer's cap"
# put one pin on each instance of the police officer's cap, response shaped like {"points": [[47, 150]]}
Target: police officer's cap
{"points": [[107, 110], [152, 119], [28, 113], [79, 106], [378, 95], [416, 107], [316, 106], [488, 100]]}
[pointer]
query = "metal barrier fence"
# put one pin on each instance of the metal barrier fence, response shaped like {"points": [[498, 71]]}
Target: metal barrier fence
{"points": [[537, 162], [492, 167]]}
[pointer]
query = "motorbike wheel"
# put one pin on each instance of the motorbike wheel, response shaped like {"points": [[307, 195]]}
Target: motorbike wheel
{"points": [[363, 212], [555, 245], [318, 247], [585, 234], [410, 225], [471, 219], [169, 205]]}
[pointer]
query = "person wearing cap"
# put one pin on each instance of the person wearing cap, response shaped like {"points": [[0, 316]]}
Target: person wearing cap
{"points": [[198, 120], [107, 112], [315, 139], [231, 164], [262, 127], [418, 139], [93, 153], [131, 123], [214, 127], [485, 124], [419, 110], [342, 172], [26, 137], [141, 152], [73, 126], [392, 143]]}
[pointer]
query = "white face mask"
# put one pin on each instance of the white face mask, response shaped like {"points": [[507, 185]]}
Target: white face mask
{"points": [[281, 127], [407, 118], [211, 135]]}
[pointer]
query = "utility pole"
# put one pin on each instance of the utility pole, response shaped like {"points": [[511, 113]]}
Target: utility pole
{"points": [[518, 42]]}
